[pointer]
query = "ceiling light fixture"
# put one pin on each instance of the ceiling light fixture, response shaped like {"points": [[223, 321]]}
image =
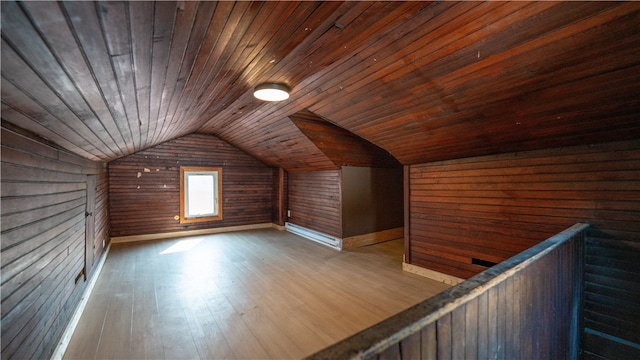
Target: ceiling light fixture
{"points": [[271, 92]]}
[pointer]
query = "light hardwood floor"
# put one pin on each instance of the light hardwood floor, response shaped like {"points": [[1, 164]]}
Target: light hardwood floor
{"points": [[254, 294]]}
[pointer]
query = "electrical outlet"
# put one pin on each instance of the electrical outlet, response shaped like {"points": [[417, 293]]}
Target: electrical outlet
{"points": [[288, 213]]}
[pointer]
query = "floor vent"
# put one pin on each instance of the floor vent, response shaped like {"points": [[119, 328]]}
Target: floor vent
{"points": [[316, 236]]}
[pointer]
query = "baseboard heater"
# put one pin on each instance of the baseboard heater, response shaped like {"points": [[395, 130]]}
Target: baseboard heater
{"points": [[316, 236]]}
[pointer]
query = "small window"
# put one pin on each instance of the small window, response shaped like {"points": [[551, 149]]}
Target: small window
{"points": [[200, 194]]}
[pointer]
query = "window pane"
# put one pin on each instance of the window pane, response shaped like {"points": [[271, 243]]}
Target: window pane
{"points": [[200, 195]]}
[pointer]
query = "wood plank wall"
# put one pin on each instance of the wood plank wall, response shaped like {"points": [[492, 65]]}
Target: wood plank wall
{"points": [[611, 297], [43, 241], [524, 308], [144, 187], [315, 200], [493, 207]]}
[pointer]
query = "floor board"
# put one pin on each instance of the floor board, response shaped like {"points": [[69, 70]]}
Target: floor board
{"points": [[259, 294]]}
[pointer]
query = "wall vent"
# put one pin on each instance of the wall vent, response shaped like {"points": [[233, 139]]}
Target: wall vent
{"points": [[485, 263]]}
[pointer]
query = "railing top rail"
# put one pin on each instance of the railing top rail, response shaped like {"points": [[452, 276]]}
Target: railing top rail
{"points": [[391, 331]]}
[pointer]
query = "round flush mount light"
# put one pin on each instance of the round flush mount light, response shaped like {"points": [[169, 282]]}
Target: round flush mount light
{"points": [[271, 92]]}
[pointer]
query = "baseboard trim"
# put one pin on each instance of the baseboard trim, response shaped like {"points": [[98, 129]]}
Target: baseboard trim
{"points": [[61, 348], [176, 234], [372, 238], [431, 274], [321, 238]]}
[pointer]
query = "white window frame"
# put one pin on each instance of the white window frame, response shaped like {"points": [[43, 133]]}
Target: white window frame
{"points": [[185, 172]]}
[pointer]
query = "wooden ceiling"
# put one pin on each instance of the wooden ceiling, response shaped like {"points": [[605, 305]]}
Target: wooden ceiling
{"points": [[423, 81]]}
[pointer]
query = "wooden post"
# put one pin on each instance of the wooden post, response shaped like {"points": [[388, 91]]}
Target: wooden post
{"points": [[282, 218], [407, 214]]}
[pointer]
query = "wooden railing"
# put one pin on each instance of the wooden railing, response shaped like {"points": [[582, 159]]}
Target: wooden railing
{"points": [[527, 307]]}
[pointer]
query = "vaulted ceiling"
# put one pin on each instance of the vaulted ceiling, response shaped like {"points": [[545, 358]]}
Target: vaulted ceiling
{"points": [[422, 81]]}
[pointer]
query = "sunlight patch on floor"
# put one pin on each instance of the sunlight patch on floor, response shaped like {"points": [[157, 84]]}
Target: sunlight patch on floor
{"points": [[182, 246]]}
